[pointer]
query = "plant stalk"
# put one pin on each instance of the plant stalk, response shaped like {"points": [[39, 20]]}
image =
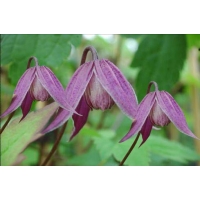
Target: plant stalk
{"points": [[130, 150], [55, 146], [6, 123]]}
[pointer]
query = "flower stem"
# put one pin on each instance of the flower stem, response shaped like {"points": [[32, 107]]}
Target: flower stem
{"points": [[29, 61], [6, 123], [129, 151], [55, 146], [86, 50], [150, 84]]}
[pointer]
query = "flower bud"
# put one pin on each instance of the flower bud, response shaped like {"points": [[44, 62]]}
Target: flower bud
{"points": [[37, 91], [96, 96], [157, 116]]}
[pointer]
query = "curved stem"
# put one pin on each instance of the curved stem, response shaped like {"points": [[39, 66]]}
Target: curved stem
{"points": [[55, 145], [29, 61], [86, 50], [6, 123], [129, 151], [150, 84]]}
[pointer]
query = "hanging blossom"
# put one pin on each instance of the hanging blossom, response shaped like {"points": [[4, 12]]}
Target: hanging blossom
{"points": [[37, 83], [157, 109], [97, 84]]}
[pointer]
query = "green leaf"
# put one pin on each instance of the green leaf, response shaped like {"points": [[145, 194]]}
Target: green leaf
{"points": [[160, 58], [51, 50], [31, 156], [18, 135], [171, 150], [193, 40], [138, 157], [135, 36], [90, 158], [104, 146]]}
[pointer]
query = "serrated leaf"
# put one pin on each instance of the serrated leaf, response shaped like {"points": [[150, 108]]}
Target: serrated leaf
{"points": [[138, 157], [171, 150], [104, 146], [17, 135], [51, 50], [160, 58]]}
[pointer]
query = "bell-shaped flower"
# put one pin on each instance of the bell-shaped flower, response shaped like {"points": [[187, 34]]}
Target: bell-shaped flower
{"points": [[97, 84], [157, 109], [37, 83]]}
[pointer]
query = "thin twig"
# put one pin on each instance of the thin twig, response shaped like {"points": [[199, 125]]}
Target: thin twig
{"points": [[6, 123], [55, 145], [129, 151]]}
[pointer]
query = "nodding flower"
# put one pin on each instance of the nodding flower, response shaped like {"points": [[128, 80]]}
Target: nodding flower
{"points": [[97, 84], [37, 83], [157, 109]]}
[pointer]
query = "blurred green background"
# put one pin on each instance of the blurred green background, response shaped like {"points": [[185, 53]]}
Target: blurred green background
{"points": [[173, 61]]}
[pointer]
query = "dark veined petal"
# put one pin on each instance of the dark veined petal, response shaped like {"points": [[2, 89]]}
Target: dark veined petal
{"points": [[117, 86], [141, 116], [146, 130], [173, 112], [21, 90], [79, 121], [78, 83], [61, 117], [53, 87], [73, 94], [26, 105]]}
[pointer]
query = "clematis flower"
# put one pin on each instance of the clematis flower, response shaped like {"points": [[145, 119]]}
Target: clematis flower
{"points": [[97, 84], [157, 109], [37, 83]]}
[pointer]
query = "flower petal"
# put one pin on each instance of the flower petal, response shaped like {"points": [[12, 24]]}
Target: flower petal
{"points": [[53, 86], [26, 105], [73, 94], [21, 90], [146, 130], [61, 117], [141, 116], [173, 112], [117, 86], [78, 83], [79, 121]]}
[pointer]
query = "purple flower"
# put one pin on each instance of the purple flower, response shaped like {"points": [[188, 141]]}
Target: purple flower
{"points": [[157, 109], [37, 83], [97, 84]]}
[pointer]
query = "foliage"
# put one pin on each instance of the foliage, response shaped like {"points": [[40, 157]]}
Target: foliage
{"points": [[18, 134]]}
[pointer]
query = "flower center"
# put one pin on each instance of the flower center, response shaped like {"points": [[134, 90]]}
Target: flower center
{"points": [[157, 116], [96, 96], [37, 91]]}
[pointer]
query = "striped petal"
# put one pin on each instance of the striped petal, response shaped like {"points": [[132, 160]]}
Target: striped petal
{"points": [[73, 94], [53, 87], [141, 116], [173, 112], [113, 81], [78, 83], [21, 90]]}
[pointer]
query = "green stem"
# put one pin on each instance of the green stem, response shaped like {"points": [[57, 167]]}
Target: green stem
{"points": [[129, 151], [6, 123], [55, 146]]}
